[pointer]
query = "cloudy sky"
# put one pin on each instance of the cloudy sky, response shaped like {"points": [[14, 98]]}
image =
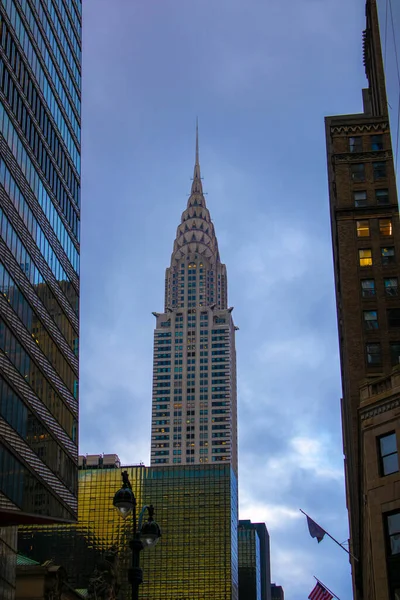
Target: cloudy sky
{"points": [[261, 75]]}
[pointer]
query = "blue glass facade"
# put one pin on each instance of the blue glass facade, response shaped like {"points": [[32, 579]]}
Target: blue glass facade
{"points": [[40, 104]]}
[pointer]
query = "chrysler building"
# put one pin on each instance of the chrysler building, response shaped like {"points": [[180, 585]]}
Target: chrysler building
{"points": [[194, 412]]}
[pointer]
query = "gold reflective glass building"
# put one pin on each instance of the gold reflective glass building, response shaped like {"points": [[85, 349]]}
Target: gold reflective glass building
{"points": [[196, 507]]}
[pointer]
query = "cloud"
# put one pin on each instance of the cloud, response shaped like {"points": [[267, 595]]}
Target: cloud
{"points": [[276, 516]]}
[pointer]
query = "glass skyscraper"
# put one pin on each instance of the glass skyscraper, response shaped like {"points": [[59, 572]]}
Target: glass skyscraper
{"points": [[40, 83], [194, 418], [252, 561], [196, 507]]}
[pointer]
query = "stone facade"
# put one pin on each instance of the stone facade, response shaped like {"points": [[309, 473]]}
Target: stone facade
{"points": [[379, 413]]}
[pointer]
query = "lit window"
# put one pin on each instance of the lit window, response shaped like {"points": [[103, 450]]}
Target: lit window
{"points": [[368, 288], [363, 228], [393, 529], [357, 172], [360, 198], [395, 353], [385, 227], [387, 256], [355, 144], [391, 286], [376, 142], [365, 257], [393, 315], [370, 319], [379, 169], [374, 354], [388, 454], [382, 196]]}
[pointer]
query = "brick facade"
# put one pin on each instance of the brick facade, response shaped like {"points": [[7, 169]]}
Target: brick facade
{"points": [[366, 251]]}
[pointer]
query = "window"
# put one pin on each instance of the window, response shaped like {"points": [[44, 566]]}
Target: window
{"points": [[388, 454], [374, 354], [355, 144], [395, 353], [385, 227], [357, 172], [360, 198], [379, 169], [387, 255], [393, 316], [382, 196], [368, 288], [370, 319], [363, 228], [376, 142], [365, 257], [391, 286], [393, 529]]}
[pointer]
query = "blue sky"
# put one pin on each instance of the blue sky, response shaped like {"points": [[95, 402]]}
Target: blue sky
{"points": [[261, 75]]}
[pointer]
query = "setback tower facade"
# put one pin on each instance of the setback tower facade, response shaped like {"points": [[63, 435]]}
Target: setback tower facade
{"points": [[194, 411], [366, 250], [40, 83]]}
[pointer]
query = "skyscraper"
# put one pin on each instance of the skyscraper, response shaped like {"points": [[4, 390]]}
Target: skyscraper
{"points": [[366, 251], [194, 418], [40, 86], [249, 554], [254, 560], [277, 592]]}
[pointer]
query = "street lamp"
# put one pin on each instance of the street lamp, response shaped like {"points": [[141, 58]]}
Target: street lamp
{"points": [[145, 535]]}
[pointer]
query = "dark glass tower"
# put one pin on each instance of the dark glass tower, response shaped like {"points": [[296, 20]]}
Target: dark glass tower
{"points": [[40, 82], [249, 554], [254, 561]]}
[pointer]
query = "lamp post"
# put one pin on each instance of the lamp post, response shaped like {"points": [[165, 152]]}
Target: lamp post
{"points": [[145, 535]]}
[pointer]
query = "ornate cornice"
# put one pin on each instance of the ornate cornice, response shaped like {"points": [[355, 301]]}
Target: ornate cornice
{"points": [[369, 413], [360, 128]]}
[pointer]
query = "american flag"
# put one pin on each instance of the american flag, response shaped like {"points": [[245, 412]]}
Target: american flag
{"points": [[320, 593]]}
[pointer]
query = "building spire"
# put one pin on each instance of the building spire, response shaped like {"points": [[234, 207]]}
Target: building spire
{"points": [[197, 188], [197, 140]]}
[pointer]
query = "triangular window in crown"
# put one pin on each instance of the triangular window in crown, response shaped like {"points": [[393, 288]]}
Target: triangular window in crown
{"points": [[193, 238], [186, 227]]}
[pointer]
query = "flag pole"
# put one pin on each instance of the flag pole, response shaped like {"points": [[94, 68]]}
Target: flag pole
{"points": [[327, 589], [332, 538]]}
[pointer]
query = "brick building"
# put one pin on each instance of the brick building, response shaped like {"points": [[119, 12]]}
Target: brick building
{"points": [[366, 249]]}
